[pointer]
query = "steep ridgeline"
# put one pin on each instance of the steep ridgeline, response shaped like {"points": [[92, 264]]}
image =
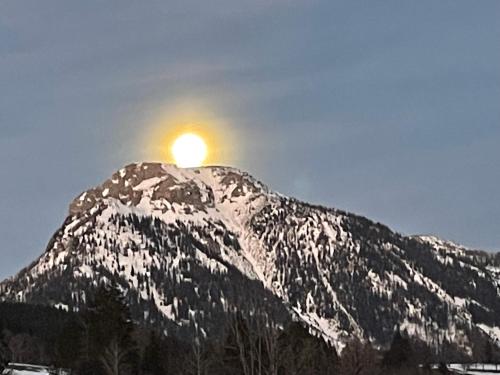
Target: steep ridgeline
{"points": [[188, 245]]}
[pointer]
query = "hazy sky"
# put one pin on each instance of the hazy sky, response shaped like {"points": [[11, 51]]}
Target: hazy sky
{"points": [[390, 109]]}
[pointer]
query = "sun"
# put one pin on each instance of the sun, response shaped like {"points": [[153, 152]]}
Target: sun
{"points": [[189, 150]]}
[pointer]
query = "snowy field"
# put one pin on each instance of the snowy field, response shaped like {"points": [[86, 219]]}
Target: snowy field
{"points": [[474, 368]]}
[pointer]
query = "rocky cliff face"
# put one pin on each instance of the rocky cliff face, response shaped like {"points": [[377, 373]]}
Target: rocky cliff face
{"points": [[189, 245]]}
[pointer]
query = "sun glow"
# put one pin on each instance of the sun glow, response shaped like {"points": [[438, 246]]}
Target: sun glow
{"points": [[190, 133], [189, 150]]}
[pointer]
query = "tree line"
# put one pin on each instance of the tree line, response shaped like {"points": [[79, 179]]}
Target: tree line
{"points": [[103, 340]]}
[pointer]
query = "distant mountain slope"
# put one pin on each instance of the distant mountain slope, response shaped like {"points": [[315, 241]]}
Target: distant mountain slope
{"points": [[188, 245]]}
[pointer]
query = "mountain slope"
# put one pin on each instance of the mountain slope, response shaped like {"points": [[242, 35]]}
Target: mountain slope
{"points": [[188, 245]]}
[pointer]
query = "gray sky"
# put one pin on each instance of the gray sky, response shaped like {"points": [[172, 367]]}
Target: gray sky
{"points": [[390, 109]]}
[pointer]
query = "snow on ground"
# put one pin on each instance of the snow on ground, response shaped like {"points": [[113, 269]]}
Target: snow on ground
{"points": [[474, 368], [493, 332]]}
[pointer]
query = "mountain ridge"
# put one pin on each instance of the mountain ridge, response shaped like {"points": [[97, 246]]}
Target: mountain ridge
{"points": [[188, 245]]}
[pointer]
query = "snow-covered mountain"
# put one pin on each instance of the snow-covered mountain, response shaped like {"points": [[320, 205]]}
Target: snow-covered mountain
{"points": [[189, 245]]}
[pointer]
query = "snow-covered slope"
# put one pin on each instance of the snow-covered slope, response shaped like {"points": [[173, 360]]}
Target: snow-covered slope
{"points": [[188, 245]]}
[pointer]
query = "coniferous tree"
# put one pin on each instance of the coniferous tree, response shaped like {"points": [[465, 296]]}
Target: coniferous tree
{"points": [[302, 353], [400, 353], [152, 357], [68, 345], [110, 348], [5, 354]]}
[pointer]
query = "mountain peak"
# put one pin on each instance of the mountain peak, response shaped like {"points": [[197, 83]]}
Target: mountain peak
{"points": [[162, 187], [189, 245]]}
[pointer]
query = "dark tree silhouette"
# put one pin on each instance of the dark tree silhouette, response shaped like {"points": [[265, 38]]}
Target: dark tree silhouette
{"points": [[400, 353], [152, 358], [302, 353], [108, 334], [358, 359]]}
